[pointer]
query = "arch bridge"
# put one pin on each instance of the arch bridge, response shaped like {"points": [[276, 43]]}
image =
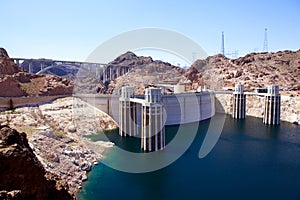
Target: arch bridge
{"points": [[105, 72]]}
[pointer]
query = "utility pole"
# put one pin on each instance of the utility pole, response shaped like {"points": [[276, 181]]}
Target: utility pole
{"points": [[222, 45], [265, 49]]}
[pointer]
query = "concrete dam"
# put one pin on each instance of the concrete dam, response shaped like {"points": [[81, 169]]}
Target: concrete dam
{"points": [[145, 116], [179, 108]]}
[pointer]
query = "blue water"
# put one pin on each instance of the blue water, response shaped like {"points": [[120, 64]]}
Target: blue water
{"points": [[249, 161]]}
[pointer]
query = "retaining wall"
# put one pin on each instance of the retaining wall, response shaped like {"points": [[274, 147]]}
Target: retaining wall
{"points": [[14, 102]]}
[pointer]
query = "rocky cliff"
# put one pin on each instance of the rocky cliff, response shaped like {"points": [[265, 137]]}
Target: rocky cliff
{"points": [[7, 67], [253, 70], [15, 82], [145, 72], [21, 170]]}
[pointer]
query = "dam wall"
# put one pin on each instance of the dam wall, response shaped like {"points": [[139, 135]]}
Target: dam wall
{"points": [[179, 109], [187, 108]]}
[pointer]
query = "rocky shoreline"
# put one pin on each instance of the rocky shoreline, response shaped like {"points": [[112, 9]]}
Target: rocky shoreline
{"points": [[55, 133]]}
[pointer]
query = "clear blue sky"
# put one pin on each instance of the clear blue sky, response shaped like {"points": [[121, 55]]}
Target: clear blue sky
{"points": [[72, 29]]}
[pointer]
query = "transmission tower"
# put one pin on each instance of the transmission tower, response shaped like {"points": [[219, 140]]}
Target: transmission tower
{"points": [[265, 49], [194, 56], [222, 45]]}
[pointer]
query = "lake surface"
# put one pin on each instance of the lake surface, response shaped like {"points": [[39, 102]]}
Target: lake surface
{"points": [[249, 161]]}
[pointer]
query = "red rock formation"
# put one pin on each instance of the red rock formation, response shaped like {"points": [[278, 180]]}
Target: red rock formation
{"points": [[21, 170], [14, 82], [7, 66], [10, 87], [130, 59], [145, 72], [253, 70]]}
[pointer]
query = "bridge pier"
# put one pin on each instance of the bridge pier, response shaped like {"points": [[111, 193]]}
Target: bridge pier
{"points": [[104, 75], [118, 72], [18, 62], [272, 106], [30, 68], [111, 74], [239, 102], [42, 66], [96, 71]]}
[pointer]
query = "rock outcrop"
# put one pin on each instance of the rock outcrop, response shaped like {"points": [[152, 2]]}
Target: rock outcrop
{"points": [[21, 170], [7, 66], [131, 60], [14, 82], [10, 87], [88, 83], [253, 70], [145, 72]]}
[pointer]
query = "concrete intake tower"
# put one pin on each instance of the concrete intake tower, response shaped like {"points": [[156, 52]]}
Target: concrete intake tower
{"points": [[152, 122]]}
